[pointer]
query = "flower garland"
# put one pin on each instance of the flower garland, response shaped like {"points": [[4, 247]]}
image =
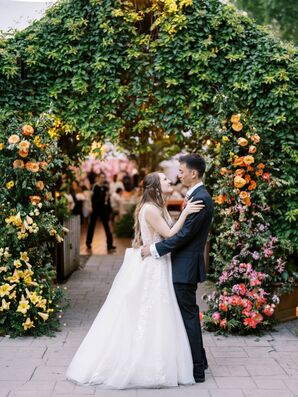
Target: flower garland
{"points": [[247, 267], [30, 304]]}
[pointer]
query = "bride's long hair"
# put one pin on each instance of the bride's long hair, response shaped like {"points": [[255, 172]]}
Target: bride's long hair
{"points": [[151, 194]]}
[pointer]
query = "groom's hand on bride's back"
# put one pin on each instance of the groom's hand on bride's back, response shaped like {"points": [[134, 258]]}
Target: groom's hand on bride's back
{"points": [[145, 251]]}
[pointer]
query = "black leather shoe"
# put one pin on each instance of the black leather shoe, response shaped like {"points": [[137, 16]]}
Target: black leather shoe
{"points": [[198, 373], [88, 246]]}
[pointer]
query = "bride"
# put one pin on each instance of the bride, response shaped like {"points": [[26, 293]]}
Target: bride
{"points": [[138, 338]]}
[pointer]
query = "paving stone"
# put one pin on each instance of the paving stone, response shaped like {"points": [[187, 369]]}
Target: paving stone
{"points": [[239, 382], [268, 393], [292, 385], [226, 393], [269, 382]]}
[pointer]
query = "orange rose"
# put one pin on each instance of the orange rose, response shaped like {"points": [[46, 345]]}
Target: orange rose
{"points": [[237, 126], [40, 185], [247, 178], [253, 185], [23, 153], [13, 139], [240, 172], [261, 166], [34, 199], [248, 160], [243, 195], [252, 149], [220, 199], [242, 142], [24, 145], [255, 138], [235, 118], [31, 166], [249, 168], [239, 182], [238, 162], [223, 171], [259, 172], [18, 164], [27, 130]]}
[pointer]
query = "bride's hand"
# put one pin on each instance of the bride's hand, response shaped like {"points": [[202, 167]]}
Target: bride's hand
{"points": [[193, 206]]}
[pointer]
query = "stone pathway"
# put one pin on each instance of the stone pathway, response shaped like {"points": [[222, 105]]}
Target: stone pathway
{"points": [[238, 366]]}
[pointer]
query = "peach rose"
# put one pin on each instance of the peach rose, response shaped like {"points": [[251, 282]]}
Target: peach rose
{"points": [[39, 185], [248, 160], [43, 164], [242, 142], [237, 126], [34, 199], [235, 118], [13, 139], [255, 138], [27, 130], [24, 145], [31, 166], [223, 171], [239, 182], [23, 153], [240, 172], [18, 164], [252, 149], [238, 162], [220, 199], [243, 195]]}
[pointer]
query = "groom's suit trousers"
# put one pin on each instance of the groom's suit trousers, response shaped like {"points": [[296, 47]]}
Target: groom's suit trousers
{"points": [[186, 297]]}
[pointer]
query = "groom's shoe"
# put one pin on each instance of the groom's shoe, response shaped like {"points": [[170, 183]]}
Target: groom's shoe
{"points": [[198, 373]]}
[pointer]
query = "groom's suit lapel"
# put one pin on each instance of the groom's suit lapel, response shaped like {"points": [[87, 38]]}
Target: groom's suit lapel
{"points": [[197, 190]]}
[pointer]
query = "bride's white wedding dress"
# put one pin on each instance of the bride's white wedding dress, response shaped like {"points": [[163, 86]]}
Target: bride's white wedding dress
{"points": [[138, 338]]}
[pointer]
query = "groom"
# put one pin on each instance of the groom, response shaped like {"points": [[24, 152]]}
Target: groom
{"points": [[188, 264]]}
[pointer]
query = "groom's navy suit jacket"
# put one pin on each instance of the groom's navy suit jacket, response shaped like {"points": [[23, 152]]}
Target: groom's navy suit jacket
{"points": [[187, 246]]}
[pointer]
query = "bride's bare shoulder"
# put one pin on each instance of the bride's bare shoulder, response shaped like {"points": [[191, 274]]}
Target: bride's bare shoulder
{"points": [[151, 209]]}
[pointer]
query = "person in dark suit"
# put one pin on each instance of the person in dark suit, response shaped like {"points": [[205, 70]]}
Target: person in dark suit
{"points": [[101, 208], [187, 252]]}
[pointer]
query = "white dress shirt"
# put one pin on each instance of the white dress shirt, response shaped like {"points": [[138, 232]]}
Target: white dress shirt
{"points": [[190, 191]]}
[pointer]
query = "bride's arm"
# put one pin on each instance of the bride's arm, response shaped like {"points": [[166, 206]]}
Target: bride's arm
{"points": [[155, 219]]}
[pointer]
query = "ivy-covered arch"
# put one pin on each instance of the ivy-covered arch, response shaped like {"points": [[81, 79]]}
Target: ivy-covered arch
{"points": [[130, 70]]}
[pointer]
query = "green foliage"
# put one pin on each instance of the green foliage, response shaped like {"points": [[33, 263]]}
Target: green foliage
{"points": [[280, 14], [124, 226], [30, 164]]}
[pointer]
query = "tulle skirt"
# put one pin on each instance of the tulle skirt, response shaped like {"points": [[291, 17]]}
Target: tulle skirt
{"points": [[138, 339]]}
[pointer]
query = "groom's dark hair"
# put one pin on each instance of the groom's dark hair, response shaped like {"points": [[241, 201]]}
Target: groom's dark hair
{"points": [[194, 161]]}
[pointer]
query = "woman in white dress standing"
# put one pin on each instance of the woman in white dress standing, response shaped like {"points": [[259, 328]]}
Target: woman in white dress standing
{"points": [[138, 339]]}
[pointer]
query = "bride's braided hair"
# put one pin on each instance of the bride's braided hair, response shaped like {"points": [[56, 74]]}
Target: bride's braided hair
{"points": [[151, 194]]}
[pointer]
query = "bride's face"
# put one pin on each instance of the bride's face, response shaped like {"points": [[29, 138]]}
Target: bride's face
{"points": [[165, 183]]}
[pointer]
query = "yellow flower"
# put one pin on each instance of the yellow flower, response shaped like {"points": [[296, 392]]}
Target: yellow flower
{"points": [[1, 146], [13, 295], [3, 269], [24, 256], [39, 185], [5, 305], [248, 160], [42, 304], [44, 316], [5, 289], [239, 182], [14, 278], [28, 324], [237, 126], [23, 305], [10, 184], [225, 138], [17, 263]]}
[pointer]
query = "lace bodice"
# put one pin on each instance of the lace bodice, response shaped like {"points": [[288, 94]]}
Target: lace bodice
{"points": [[149, 235]]}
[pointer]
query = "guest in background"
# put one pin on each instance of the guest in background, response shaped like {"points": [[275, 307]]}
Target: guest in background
{"points": [[115, 202], [91, 175], [87, 204], [115, 184], [101, 208]]}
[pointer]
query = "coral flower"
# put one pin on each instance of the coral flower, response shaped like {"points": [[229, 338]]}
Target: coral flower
{"points": [[31, 166], [261, 166], [43, 164], [27, 130], [252, 149], [216, 316], [268, 310], [250, 322], [223, 307], [24, 145], [18, 164], [266, 176], [259, 172], [13, 139], [223, 323], [248, 160], [239, 182], [23, 153], [223, 171], [247, 178], [242, 142], [253, 185], [237, 126], [34, 199], [240, 172]]}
